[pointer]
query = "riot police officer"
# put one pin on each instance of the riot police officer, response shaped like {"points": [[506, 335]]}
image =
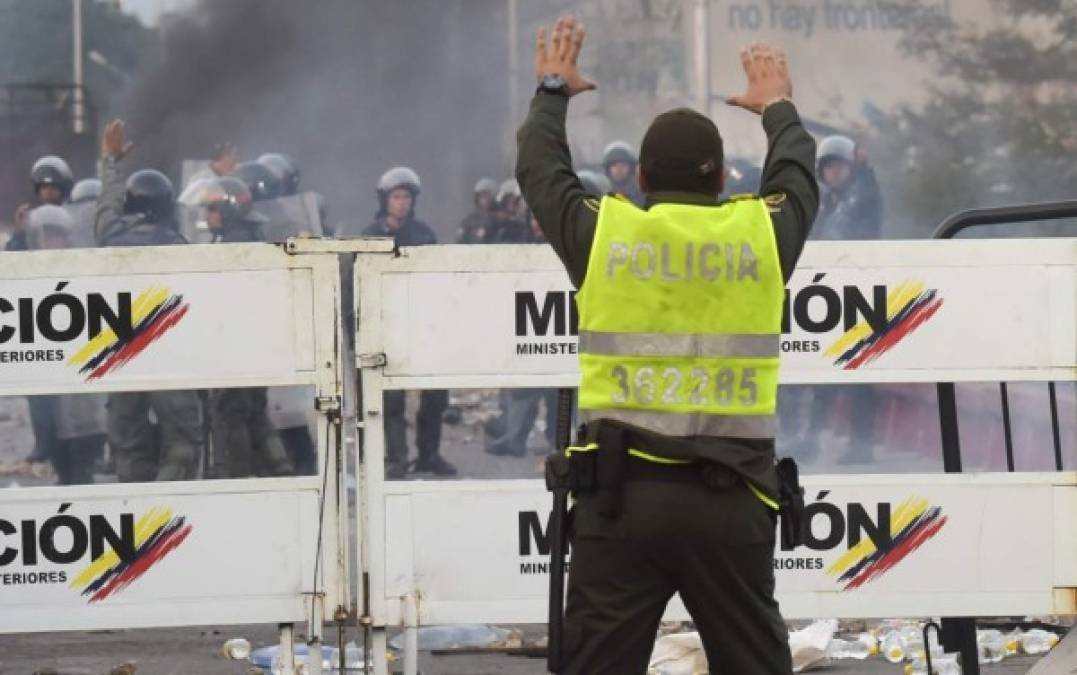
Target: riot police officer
{"points": [[77, 434], [304, 211], [398, 191], [677, 480], [141, 212], [619, 161], [476, 226], [51, 179], [83, 208], [243, 436]]}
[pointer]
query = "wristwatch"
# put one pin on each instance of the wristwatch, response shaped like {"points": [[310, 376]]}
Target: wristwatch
{"points": [[553, 84]]}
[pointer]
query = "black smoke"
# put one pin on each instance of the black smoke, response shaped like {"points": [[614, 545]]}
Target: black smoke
{"points": [[349, 88]]}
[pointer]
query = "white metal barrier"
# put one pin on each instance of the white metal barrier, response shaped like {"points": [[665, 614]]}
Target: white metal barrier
{"points": [[182, 553], [955, 545]]}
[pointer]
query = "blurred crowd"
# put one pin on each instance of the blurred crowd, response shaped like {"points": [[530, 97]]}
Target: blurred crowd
{"points": [[241, 432]]}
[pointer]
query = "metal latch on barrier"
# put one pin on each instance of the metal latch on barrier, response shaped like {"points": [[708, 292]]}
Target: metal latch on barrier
{"points": [[330, 405], [372, 360]]}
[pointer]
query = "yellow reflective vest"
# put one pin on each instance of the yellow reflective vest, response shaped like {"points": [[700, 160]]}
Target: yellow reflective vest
{"points": [[680, 319]]}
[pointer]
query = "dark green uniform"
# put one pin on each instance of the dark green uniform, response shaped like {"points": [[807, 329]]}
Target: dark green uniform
{"points": [[680, 529]]}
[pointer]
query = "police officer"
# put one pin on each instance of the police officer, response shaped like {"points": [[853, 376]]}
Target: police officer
{"points": [[620, 162], [398, 191], [850, 207], [304, 209], [850, 203], [141, 213], [476, 227], [51, 179], [242, 433], [680, 308], [83, 208], [78, 431]]}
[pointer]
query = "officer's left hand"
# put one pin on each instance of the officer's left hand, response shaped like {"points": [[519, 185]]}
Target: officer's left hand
{"points": [[560, 57]]}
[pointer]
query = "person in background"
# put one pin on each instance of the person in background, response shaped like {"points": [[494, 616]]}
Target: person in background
{"points": [[619, 160], [850, 208], [476, 228], [850, 202], [508, 204], [83, 208], [398, 191], [141, 212], [242, 433], [224, 157], [78, 432], [51, 179]]}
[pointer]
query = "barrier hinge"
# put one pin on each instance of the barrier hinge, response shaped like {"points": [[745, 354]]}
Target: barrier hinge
{"points": [[372, 360]]}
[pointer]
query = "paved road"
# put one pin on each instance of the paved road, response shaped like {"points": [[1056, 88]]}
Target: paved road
{"points": [[192, 651]]}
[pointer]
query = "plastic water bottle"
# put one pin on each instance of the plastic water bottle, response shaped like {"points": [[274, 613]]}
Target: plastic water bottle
{"points": [[870, 641], [1038, 641], [456, 636], [238, 649], [847, 649], [1013, 642], [991, 645], [893, 647], [943, 664]]}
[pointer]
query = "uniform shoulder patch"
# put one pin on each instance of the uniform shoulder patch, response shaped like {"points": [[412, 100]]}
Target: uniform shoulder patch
{"points": [[742, 196], [774, 201]]}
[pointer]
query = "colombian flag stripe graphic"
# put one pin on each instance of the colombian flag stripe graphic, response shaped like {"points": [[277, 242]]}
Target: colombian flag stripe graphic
{"points": [[914, 522], [153, 313], [908, 306], [157, 533]]}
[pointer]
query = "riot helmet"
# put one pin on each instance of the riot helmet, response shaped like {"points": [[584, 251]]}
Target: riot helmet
{"points": [[86, 190], [487, 186], [835, 147], [150, 194], [227, 195], [619, 151], [286, 170], [261, 180], [52, 170], [397, 178]]}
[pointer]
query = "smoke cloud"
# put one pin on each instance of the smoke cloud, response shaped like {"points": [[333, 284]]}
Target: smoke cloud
{"points": [[348, 88]]}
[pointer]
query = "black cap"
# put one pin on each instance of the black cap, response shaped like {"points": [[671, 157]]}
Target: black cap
{"points": [[682, 152]]}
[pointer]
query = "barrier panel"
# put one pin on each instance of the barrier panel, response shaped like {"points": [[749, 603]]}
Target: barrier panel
{"points": [[910, 545], [270, 550]]}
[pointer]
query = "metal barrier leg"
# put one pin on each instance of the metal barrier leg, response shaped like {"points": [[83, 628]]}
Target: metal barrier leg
{"points": [[314, 641], [381, 645], [957, 634], [411, 635], [960, 635], [287, 649]]}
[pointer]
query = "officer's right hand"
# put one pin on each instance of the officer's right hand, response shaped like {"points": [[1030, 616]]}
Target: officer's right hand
{"points": [[768, 78], [113, 143], [21, 216]]}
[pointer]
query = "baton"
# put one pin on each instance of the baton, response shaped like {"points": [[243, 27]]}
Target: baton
{"points": [[558, 481]]}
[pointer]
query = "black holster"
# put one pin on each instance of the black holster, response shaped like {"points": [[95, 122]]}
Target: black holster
{"points": [[790, 501]]}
